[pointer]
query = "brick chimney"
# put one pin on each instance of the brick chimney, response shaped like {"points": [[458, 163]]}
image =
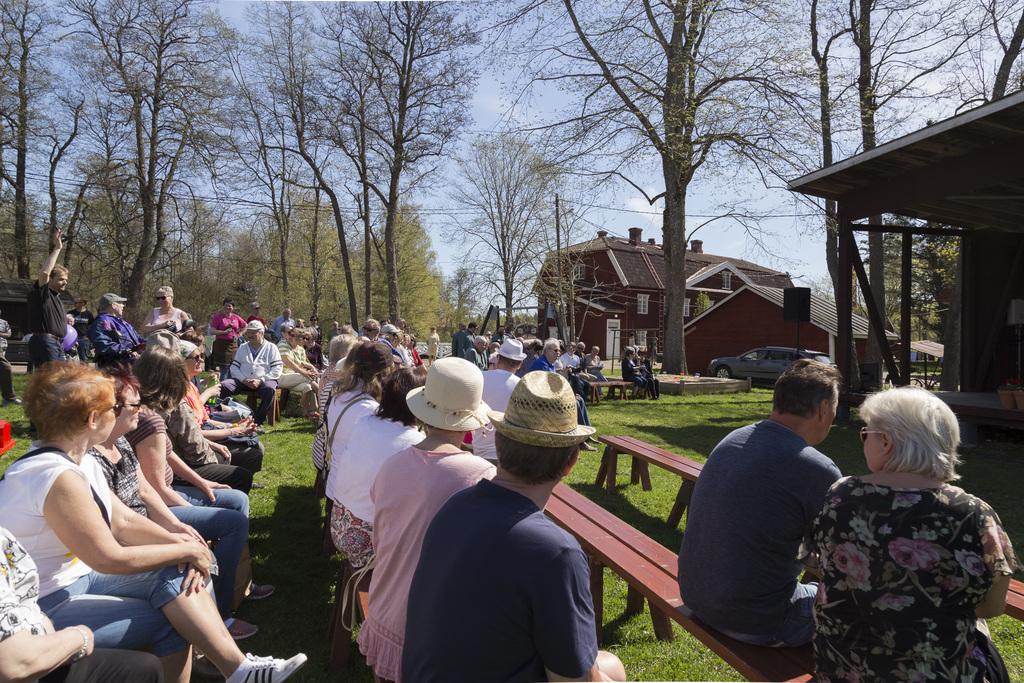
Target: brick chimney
{"points": [[650, 240], [697, 246], [602, 233], [635, 235]]}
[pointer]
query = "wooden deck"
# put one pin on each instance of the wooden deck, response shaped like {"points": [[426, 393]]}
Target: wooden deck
{"points": [[974, 407]]}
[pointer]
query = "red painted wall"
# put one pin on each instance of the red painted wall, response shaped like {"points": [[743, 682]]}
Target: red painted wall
{"points": [[745, 322]]}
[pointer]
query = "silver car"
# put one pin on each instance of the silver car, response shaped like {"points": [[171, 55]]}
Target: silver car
{"points": [[766, 362]]}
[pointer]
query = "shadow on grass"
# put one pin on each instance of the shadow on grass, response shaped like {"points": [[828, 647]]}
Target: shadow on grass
{"points": [[621, 507]]}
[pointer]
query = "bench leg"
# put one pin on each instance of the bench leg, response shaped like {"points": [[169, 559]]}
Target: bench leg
{"points": [[662, 624], [602, 471], [634, 601], [634, 471], [682, 501], [326, 542], [645, 475], [597, 594], [340, 637], [613, 466]]}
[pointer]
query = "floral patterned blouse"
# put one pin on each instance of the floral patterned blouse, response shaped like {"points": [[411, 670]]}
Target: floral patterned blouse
{"points": [[904, 570]]}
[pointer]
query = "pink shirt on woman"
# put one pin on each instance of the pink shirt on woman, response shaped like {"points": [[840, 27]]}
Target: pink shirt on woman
{"points": [[408, 491]]}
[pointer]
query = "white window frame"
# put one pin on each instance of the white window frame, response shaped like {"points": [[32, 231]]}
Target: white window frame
{"points": [[726, 279], [686, 307], [643, 303], [641, 339], [578, 271]]}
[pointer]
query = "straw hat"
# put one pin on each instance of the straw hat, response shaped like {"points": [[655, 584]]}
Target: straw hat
{"points": [[542, 412], [452, 396]]}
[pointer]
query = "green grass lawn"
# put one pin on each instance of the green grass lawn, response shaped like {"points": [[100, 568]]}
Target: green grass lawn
{"points": [[285, 530]]}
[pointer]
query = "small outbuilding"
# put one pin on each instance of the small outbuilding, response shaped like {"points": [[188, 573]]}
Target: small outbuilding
{"points": [[728, 327]]}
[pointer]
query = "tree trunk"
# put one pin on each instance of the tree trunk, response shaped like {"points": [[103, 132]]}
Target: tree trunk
{"points": [[1010, 56], [21, 241], [674, 239]]}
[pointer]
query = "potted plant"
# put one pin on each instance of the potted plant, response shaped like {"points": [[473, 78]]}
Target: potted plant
{"points": [[1007, 392]]}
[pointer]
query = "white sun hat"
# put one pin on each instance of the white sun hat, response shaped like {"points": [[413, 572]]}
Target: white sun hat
{"points": [[452, 397], [512, 349]]}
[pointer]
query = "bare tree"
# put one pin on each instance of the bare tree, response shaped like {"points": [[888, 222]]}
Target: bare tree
{"points": [[152, 61], [422, 79], [21, 24], [693, 82], [900, 46], [289, 53], [507, 188]]}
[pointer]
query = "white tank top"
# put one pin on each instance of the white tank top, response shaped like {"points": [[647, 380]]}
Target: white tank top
{"points": [[23, 491]]}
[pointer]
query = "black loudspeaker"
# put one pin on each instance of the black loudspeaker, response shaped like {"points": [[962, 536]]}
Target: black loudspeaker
{"points": [[796, 304]]}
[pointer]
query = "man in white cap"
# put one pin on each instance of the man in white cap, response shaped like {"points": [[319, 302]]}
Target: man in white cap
{"points": [[255, 370], [518, 606], [498, 386], [392, 336]]}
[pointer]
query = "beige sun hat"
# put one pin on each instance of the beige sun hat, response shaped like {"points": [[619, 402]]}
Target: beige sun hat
{"points": [[452, 397], [542, 412]]}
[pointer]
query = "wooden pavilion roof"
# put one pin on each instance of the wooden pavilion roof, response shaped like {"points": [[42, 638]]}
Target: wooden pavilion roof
{"points": [[964, 171]]}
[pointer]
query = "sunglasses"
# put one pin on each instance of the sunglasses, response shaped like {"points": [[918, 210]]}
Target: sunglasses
{"points": [[161, 298], [864, 433], [133, 407], [196, 358]]}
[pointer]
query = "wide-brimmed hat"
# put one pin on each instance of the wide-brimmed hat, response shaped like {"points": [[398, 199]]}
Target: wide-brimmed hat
{"points": [[512, 349], [542, 412], [452, 397]]}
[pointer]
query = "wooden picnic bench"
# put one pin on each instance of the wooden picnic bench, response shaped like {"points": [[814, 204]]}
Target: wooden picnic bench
{"points": [[611, 385], [343, 615], [643, 455], [650, 570]]}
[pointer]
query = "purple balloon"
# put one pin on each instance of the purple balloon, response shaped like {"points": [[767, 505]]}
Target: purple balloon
{"points": [[70, 337]]}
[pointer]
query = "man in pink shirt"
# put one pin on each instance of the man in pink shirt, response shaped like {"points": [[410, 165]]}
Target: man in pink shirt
{"points": [[410, 488], [227, 326]]}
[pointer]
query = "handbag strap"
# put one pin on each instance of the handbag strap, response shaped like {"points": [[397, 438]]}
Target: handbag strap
{"points": [[337, 421]]}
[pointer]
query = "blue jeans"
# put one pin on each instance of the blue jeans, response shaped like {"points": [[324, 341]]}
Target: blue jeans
{"points": [[797, 627], [84, 346], [124, 611], [42, 348], [228, 499], [230, 531], [582, 417]]}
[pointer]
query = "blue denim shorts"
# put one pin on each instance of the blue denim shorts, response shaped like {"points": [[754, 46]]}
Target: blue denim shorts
{"points": [[124, 611]]}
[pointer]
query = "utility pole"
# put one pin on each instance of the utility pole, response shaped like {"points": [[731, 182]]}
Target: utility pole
{"points": [[560, 306]]}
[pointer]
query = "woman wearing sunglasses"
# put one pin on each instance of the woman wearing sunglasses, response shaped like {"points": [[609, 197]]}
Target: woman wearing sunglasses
{"points": [[912, 565], [131, 583], [165, 316]]}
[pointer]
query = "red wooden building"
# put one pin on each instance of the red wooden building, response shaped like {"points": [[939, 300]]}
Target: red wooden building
{"points": [[619, 288], [726, 329]]}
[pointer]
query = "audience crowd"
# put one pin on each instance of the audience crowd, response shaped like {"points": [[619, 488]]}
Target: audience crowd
{"points": [[125, 528]]}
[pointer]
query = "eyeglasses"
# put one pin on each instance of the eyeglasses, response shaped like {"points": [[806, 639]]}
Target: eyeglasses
{"points": [[864, 433], [132, 407], [196, 358]]}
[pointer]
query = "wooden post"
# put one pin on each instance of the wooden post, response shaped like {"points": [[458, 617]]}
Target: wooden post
{"points": [[905, 281], [844, 305]]}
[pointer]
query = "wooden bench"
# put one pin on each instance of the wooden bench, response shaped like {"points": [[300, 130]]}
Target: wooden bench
{"points": [[274, 414], [650, 571], [611, 385], [643, 455]]}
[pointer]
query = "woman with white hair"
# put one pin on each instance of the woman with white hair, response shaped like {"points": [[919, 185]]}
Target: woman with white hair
{"points": [[911, 564]]}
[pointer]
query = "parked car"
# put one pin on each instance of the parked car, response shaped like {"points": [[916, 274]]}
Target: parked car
{"points": [[766, 362]]}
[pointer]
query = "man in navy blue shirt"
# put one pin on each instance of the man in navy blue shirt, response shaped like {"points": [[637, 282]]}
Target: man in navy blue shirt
{"points": [[547, 361], [512, 589], [752, 508]]}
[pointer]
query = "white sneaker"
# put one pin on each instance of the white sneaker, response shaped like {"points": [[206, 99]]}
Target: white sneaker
{"points": [[266, 669]]}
